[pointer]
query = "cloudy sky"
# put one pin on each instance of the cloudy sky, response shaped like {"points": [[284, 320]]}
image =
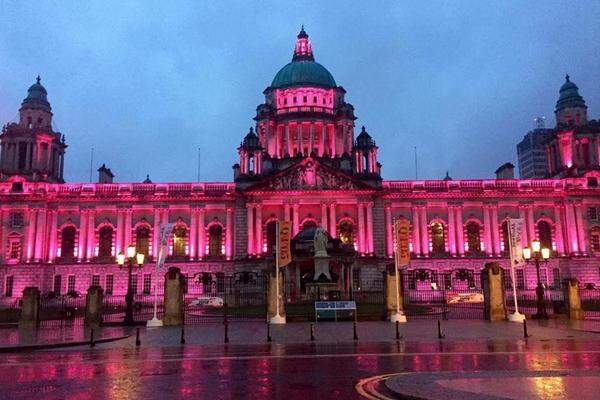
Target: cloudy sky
{"points": [[148, 83]]}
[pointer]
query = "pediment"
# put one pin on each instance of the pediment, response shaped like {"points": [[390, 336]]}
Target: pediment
{"points": [[309, 174]]}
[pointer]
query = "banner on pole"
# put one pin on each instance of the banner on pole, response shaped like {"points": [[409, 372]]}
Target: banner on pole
{"points": [[515, 232], [163, 238], [284, 251], [402, 235]]}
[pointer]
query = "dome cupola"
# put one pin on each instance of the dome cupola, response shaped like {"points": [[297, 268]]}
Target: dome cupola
{"points": [[570, 107], [303, 70], [37, 97]]}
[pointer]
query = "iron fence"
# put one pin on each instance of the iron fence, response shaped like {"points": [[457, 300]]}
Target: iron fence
{"points": [[590, 302]]}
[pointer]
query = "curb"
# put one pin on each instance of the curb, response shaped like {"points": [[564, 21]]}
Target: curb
{"points": [[34, 347]]}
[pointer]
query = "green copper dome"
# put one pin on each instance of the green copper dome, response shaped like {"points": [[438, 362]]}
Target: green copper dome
{"points": [[37, 97], [569, 95], [303, 70], [303, 73]]}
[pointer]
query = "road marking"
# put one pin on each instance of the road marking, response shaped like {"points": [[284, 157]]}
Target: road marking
{"points": [[289, 356]]}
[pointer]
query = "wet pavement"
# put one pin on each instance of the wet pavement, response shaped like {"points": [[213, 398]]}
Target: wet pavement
{"points": [[555, 362]]}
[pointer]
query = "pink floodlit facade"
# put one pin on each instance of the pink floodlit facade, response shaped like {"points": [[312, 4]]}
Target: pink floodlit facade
{"points": [[303, 163]]}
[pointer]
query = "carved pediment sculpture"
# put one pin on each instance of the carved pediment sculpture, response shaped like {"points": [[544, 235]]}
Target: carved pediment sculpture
{"points": [[309, 176]]}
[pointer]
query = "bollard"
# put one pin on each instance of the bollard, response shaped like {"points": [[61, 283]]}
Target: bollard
{"points": [[312, 332], [525, 334], [268, 332], [137, 337], [182, 340], [355, 333], [397, 330], [92, 343], [226, 339], [440, 335]]}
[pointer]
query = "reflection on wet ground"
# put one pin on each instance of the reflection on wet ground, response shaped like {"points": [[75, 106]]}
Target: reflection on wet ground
{"points": [[290, 371]]}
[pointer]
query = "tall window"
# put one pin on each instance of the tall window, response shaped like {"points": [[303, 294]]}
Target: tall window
{"points": [[95, 280], [271, 236], [147, 283], [67, 243], [71, 284], [57, 287], [346, 232], [179, 233], [142, 239], [505, 241], [595, 238], [14, 244], [105, 236], [215, 240], [134, 283], [473, 240], [437, 238], [8, 288], [109, 284], [520, 277], [545, 234]]}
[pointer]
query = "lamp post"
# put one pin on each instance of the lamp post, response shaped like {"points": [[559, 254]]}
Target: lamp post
{"points": [[535, 254], [131, 258]]}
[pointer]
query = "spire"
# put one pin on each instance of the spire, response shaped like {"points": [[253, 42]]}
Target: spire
{"points": [[38, 79], [303, 50], [567, 78]]}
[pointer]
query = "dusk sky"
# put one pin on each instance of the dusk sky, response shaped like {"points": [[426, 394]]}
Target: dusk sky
{"points": [[147, 83]]}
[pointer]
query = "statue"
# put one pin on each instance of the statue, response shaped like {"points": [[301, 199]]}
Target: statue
{"points": [[320, 242]]}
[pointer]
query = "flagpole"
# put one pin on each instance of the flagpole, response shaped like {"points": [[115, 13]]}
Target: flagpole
{"points": [[516, 316], [155, 322], [398, 316], [277, 318]]}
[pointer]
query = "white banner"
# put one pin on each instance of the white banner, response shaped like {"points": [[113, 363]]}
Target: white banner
{"points": [[515, 230], [163, 239]]}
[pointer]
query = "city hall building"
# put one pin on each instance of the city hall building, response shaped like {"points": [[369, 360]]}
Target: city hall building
{"points": [[306, 162]]}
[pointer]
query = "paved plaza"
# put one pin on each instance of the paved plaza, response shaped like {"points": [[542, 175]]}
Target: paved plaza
{"points": [[474, 359]]}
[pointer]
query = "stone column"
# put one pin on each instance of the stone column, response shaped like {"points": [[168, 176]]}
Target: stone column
{"points": [[91, 235], [52, 240], [369, 207], [127, 227], [119, 246], [93, 306], [571, 229], [272, 296], [295, 219], [31, 234], [332, 221], [389, 236], [250, 230], [229, 234], [416, 231], [580, 228], [525, 233], [390, 291], [83, 231], [258, 236], [572, 299], [451, 231], [30, 317], [493, 292], [286, 212], [424, 230], [193, 233], [487, 233], [530, 223], [460, 233], [361, 228], [299, 137], [173, 297], [324, 217], [201, 234], [288, 140], [155, 232], [558, 230], [495, 231], [40, 236]]}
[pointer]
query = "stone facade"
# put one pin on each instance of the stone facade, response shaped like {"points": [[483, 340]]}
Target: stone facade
{"points": [[301, 163]]}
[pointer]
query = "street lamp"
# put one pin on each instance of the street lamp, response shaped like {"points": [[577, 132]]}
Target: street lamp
{"points": [[131, 258], [537, 254]]}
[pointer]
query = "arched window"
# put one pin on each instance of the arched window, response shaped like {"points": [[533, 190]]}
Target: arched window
{"points": [[105, 236], [271, 236], [142, 239], [595, 238], [179, 233], [346, 232], [473, 240], [215, 239], [67, 243], [505, 241], [545, 234], [438, 244]]}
